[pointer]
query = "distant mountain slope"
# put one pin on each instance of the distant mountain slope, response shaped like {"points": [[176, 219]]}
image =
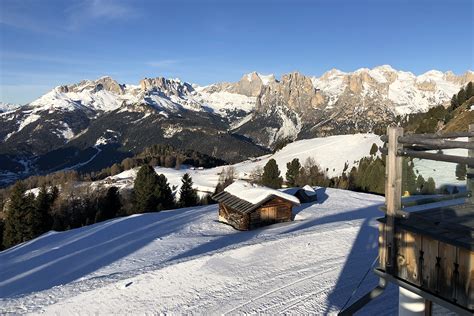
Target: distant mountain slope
{"points": [[453, 118], [184, 261], [6, 107], [67, 126]]}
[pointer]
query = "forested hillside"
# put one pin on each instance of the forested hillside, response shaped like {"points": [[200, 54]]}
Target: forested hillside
{"points": [[456, 117]]}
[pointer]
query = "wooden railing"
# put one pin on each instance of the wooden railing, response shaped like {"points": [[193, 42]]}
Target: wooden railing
{"points": [[398, 146], [417, 250]]}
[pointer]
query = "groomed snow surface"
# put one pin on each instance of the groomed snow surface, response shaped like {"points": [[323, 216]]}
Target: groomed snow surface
{"points": [[185, 261]]}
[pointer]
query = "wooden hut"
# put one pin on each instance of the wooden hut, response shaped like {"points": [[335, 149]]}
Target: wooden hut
{"points": [[305, 194], [246, 206]]}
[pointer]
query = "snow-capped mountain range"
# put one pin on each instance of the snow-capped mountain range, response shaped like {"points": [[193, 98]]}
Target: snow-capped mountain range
{"points": [[228, 120], [6, 107]]}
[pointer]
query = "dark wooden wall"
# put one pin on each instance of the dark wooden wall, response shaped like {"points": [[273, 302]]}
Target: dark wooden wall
{"points": [[274, 211], [432, 265], [232, 217]]}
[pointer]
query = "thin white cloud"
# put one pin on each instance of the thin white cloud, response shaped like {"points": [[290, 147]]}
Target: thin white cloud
{"points": [[68, 16], [87, 11]]}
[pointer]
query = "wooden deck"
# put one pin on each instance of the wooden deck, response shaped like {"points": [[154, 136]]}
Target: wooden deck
{"points": [[434, 252], [429, 252]]}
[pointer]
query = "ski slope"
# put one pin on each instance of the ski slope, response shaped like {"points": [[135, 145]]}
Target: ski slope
{"points": [[184, 261]]}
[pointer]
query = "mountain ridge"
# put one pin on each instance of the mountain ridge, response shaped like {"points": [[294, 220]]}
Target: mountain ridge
{"points": [[230, 121]]}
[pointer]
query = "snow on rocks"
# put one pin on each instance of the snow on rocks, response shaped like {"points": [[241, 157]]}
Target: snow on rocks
{"points": [[223, 101], [256, 194], [29, 119]]}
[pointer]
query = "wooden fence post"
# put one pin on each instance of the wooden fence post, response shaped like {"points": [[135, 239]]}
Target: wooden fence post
{"points": [[470, 170], [393, 192]]}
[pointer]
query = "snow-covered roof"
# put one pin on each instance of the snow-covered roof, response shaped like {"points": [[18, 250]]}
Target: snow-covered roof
{"points": [[309, 190], [257, 194]]}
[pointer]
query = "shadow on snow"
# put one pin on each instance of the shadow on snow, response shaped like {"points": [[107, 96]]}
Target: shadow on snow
{"points": [[59, 258]]}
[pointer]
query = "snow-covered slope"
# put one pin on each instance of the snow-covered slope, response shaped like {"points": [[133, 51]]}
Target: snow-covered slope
{"points": [[349, 148], [184, 261], [331, 153], [223, 101]]}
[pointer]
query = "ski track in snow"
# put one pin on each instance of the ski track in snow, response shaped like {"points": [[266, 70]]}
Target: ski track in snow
{"points": [[184, 261]]}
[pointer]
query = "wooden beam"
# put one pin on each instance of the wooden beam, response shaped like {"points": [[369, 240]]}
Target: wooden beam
{"points": [[428, 308], [435, 156], [384, 138], [429, 200], [393, 192], [445, 135], [437, 199], [435, 143]]}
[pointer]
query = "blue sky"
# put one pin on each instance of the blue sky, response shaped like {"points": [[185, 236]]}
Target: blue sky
{"points": [[51, 42]]}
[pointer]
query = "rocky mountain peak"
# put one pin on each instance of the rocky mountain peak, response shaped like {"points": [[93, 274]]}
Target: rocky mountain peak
{"points": [[468, 76], [104, 83], [168, 87], [295, 91], [296, 84], [249, 85]]}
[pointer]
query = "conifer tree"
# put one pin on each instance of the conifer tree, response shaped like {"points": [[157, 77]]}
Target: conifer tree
{"points": [[108, 205], [187, 195], [409, 181], [429, 187], [461, 96], [41, 220], [420, 183], [469, 90], [18, 209], [454, 102], [271, 175], [144, 190], [374, 149], [292, 172], [461, 171], [164, 193]]}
